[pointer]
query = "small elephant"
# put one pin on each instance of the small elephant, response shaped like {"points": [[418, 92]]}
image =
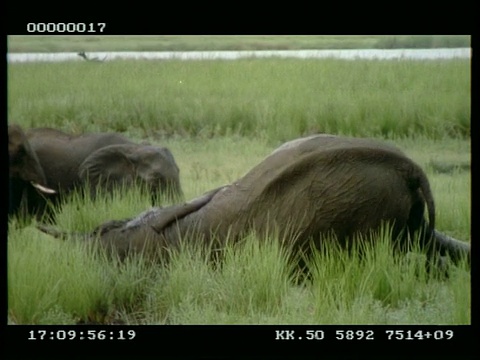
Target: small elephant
{"points": [[27, 180], [304, 190], [103, 160]]}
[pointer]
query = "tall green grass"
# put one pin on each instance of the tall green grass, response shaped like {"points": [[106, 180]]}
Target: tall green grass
{"points": [[274, 98], [64, 284], [50, 281]]}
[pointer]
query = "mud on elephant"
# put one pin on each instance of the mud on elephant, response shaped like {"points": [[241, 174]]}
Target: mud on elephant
{"points": [[103, 161], [27, 180], [304, 190]]}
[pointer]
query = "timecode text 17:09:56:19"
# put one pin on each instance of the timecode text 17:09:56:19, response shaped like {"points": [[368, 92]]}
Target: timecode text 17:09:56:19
{"points": [[81, 335]]}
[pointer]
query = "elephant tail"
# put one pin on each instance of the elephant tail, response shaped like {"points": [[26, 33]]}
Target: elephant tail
{"points": [[424, 185], [420, 186], [439, 243]]}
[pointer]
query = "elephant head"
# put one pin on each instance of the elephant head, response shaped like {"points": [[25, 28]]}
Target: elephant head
{"points": [[127, 164], [26, 176]]}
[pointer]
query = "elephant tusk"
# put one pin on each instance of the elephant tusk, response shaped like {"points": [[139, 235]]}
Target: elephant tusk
{"points": [[43, 189]]}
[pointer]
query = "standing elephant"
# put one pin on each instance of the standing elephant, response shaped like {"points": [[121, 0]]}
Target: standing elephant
{"points": [[26, 177], [303, 191], [103, 160]]}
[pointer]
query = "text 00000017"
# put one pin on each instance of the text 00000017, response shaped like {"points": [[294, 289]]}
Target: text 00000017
{"points": [[66, 27]]}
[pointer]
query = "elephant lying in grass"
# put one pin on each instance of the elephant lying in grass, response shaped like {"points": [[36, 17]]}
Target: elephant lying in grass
{"points": [[26, 176], [304, 190], [103, 160]]}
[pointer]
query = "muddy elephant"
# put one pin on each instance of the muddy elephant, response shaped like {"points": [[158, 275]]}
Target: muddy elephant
{"points": [[26, 176], [103, 161], [304, 190]]}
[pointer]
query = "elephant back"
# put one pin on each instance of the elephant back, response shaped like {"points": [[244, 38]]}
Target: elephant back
{"points": [[319, 142], [322, 184]]}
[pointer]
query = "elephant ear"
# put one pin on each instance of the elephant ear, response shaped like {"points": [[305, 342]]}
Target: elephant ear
{"points": [[108, 166], [176, 212]]}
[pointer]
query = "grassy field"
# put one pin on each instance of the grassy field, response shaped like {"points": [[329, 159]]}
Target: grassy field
{"points": [[219, 119], [59, 43], [275, 98]]}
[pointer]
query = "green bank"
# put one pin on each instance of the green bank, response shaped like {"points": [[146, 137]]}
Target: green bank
{"points": [[66, 43], [275, 98]]}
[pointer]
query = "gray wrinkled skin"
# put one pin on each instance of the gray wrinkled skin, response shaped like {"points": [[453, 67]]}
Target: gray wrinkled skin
{"points": [[144, 218]]}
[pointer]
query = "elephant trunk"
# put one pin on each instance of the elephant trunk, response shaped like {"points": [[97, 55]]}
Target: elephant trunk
{"points": [[454, 248], [49, 230]]}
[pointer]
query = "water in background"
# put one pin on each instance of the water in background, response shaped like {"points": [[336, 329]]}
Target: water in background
{"points": [[372, 54]]}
